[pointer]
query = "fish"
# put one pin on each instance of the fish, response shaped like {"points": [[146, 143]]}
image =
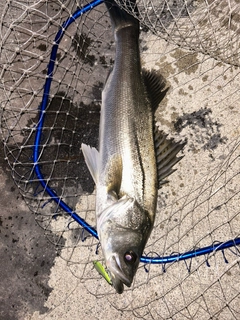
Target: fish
{"points": [[134, 156]]}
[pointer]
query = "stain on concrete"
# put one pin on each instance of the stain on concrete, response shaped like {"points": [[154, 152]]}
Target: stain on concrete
{"points": [[186, 62], [214, 141], [205, 130], [182, 92], [204, 78], [174, 115], [42, 47], [166, 69]]}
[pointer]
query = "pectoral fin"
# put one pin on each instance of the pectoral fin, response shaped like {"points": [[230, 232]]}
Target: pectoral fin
{"points": [[91, 156], [166, 151]]}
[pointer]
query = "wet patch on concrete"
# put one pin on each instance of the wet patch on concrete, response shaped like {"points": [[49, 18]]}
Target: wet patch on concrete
{"points": [[97, 90], [71, 125], [81, 44], [66, 126], [26, 255]]}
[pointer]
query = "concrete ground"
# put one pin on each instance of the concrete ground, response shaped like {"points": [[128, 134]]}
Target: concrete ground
{"points": [[46, 269]]}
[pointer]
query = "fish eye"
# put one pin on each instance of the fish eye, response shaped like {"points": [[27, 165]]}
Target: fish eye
{"points": [[130, 257]]}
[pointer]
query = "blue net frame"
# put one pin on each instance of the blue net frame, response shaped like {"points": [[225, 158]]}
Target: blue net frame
{"points": [[42, 113]]}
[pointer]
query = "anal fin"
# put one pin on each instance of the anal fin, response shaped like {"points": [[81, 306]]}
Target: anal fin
{"points": [[166, 151]]}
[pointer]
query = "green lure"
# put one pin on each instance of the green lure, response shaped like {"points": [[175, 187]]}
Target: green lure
{"points": [[102, 271]]}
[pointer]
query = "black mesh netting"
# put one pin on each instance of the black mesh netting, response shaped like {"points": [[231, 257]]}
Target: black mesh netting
{"points": [[195, 45]]}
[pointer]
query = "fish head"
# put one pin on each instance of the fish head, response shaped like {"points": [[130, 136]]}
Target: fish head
{"points": [[123, 231]]}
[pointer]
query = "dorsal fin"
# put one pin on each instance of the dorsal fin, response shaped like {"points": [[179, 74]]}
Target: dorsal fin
{"points": [[155, 84], [166, 151]]}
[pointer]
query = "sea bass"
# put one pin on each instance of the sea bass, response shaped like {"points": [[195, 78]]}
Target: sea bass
{"points": [[134, 157]]}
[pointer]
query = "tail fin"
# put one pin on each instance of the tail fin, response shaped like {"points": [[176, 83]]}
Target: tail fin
{"points": [[119, 17]]}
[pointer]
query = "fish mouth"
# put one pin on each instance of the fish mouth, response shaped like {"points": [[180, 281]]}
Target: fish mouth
{"points": [[117, 273]]}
